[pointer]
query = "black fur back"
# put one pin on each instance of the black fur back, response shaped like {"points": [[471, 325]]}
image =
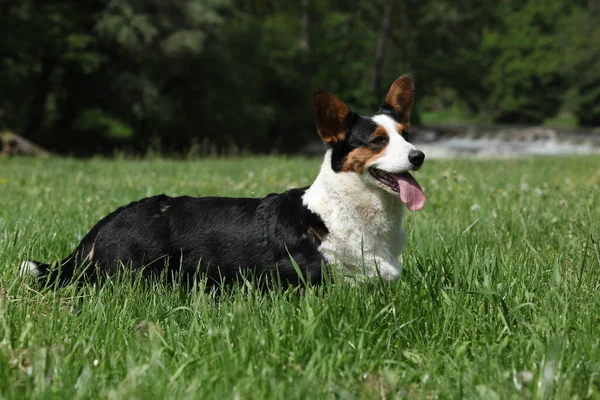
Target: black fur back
{"points": [[218, 237]]}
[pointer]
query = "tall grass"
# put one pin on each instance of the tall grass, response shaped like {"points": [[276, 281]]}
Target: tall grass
{"points": [[499, 297]]}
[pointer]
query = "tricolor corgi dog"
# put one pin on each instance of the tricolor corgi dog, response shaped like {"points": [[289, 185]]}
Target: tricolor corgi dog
{"points": [[347, 223]]}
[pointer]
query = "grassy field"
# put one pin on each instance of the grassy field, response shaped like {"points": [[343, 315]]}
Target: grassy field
{"points": [[499, 299]]}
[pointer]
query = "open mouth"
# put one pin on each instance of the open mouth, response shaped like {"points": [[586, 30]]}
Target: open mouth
{"points": [[404, 184], [388, 180]]}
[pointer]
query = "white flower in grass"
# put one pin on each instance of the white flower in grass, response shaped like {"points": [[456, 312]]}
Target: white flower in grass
{"points": [[548, 374], [563, 202], [494, 214], [475, 207], [538, 191], [524, 187], [96, 362], [526, 377]]}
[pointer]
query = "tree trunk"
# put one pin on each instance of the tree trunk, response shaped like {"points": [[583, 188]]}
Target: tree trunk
{"points": [[305, 42], [351, 23], [381, 44], [37, 108]]}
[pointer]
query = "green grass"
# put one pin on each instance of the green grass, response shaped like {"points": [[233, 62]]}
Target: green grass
{"points": [[499, 299]]}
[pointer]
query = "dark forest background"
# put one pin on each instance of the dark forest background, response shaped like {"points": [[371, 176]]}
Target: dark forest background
{"points": [[238, 75]]}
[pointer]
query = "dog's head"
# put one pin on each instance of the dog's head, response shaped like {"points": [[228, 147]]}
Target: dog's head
{"points": [[374, 146]]}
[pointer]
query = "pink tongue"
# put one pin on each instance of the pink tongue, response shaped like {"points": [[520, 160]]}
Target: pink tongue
{"points": [[410, 192]]}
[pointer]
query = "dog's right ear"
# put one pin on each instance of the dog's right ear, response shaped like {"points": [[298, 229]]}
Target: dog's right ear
{"points": [[332, 117]]}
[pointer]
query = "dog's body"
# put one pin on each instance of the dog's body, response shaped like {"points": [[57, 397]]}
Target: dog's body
{"points": [[349, 218]]}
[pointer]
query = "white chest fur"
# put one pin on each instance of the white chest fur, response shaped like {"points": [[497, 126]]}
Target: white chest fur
{"points": [[364, 223]]}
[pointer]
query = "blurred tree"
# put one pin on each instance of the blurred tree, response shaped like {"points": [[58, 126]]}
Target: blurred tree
{"points": [[239, 74], [580, 41], [381, 46], [526, 80], [42, 45], [151, 44], [439, 41]]}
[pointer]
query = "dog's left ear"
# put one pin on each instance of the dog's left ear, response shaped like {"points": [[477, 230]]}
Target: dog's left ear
{"points": [[400, 98]]}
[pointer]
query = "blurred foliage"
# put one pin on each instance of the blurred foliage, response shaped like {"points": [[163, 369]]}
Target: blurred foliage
{"points": [[581, 61], [87, 77], [525, 76]]}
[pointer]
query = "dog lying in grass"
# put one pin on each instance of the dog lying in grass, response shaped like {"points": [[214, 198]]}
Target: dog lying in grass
{"points": [[348, 222]]}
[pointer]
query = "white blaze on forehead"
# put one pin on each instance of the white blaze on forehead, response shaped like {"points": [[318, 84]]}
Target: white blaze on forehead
{"points": [[395, 157], [388, 123]]}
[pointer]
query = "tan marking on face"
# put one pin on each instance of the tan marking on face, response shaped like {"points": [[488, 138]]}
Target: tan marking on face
{"points": [[357, 159], [380, 131], [164, 208]]}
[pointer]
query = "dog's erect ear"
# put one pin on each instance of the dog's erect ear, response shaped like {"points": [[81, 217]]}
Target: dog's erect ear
{"points": [[332, 117], [400, 98]]}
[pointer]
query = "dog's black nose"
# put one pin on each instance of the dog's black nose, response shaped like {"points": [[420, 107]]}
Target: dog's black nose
{"points": [[416, 157]]}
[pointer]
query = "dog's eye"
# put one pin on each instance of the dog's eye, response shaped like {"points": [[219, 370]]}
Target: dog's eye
{"points": [[379, 140]]}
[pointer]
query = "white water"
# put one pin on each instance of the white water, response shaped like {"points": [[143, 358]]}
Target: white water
{"points": [[490, 148]]}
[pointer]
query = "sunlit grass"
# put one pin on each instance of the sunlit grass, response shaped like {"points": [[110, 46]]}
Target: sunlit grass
{"points": [[499, 297]]}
